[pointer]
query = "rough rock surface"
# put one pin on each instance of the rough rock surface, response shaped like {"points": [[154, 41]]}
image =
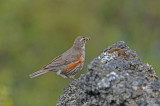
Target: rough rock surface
{"points": [[115, 78]]}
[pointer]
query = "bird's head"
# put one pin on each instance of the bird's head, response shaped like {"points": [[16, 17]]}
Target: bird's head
{"points": [[80, 41]]}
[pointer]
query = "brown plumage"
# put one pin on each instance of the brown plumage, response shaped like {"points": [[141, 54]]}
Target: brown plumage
{"points": [[69, 63]]}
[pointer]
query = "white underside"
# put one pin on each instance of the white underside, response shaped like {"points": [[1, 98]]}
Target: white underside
{"points": [[59, 73]]}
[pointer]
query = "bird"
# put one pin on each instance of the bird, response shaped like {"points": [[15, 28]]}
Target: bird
{"points": [[69, 63]]}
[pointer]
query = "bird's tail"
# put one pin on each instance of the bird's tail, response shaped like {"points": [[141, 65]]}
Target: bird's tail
{"points": [[37, 73]]}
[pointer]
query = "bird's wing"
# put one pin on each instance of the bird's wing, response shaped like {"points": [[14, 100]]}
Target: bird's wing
{"points": [[56, 62], [64, 59]]}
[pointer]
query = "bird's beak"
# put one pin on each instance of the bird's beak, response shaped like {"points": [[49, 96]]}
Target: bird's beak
{"points": [[87, 38]]}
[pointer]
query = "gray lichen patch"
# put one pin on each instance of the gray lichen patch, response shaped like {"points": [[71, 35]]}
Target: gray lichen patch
{"points": [[116, 77]]}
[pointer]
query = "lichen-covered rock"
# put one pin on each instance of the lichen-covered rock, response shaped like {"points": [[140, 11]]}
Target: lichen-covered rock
{"points": [[116, 77]]}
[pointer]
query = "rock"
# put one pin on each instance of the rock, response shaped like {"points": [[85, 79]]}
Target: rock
{"points": [[116, 77]]}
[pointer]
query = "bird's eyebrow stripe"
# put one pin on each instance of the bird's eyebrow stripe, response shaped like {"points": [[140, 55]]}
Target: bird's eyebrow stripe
{"points": [[81, 39]]}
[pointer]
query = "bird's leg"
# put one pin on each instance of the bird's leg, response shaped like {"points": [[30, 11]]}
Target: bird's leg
{"points": [[69, 78]]}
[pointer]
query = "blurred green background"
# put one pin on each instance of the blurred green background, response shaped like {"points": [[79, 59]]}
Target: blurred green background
{"points": [[33, 32]]}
